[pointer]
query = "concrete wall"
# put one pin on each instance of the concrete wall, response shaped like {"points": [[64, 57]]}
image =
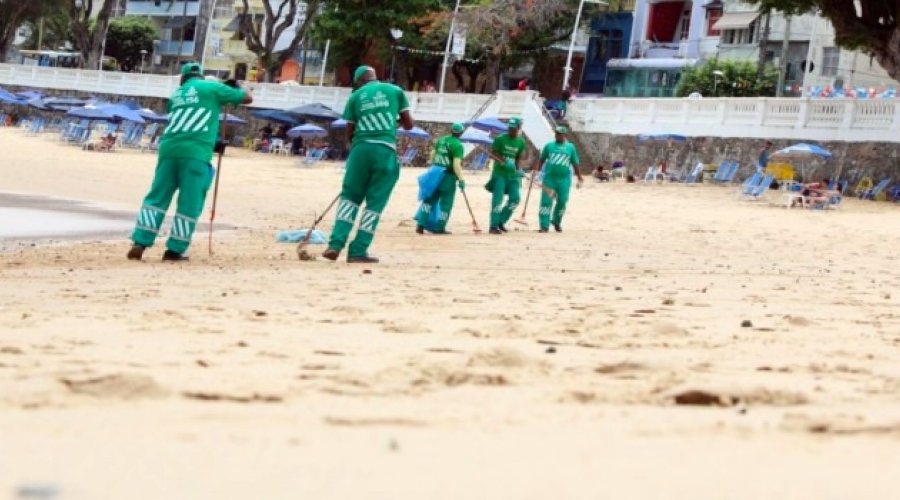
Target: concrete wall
{"points": [[854, 159]]}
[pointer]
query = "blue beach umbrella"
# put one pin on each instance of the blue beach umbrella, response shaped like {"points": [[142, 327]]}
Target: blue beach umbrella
{"points": [[150, 116], [7, 98], [317, 111], [489, 124], [122, 111], [474, 136], [63, 103], [661, 137], [29, 94], [231, 119], [414, 133], [91, 113], [342, 123], [307, 131], [803, 151]]}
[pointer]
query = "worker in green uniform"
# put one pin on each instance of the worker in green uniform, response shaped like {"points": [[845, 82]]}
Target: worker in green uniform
{"points": [[185, 151], [372, 167], [506, 177], [448, 153], [559, 160]]}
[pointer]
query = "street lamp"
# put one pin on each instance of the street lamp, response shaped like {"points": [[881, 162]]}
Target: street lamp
{"points": [[143, 54], [716, 75], [568, 69], [447, 47], [396, 35]]}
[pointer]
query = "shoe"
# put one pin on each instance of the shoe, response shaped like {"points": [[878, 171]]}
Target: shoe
{"points": [[557, 227], [420, 230], [495, 230], [136, 252], [331, 254], [442, 232], [543, 230], [363, 259], [170, 256], [503, 228]]}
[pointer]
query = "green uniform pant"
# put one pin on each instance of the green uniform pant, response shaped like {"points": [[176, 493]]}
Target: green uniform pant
{"points": [[372, 172], [441, 200], [191, 178], [549, 213], [503, 186]]}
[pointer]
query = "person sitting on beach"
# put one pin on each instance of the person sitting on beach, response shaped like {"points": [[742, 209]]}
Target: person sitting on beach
{"points": [[106, 143], [599, 174], [817, 193]]}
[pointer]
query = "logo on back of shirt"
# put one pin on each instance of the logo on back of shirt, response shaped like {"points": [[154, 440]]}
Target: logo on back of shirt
{"points": [[189, 119]]}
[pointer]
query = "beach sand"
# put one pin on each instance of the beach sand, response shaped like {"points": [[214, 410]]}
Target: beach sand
{"points": [[608, 361]]}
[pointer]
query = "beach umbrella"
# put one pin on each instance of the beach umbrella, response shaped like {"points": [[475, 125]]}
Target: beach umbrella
{"points": [[474, 136], [91, 113], [307, 131], [803, 151], [342, 123], [414, 133], [231, 119], [316, 111], [38, 103], [29, 94], [150, 116], [122, 111], [489, 124], [63, 103], [275, 115], [7, 98], [661, 137]]}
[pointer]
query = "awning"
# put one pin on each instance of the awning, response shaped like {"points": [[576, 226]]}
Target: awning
{"points": [[175, 23], [735, 21], [666, 63], [235, 24]]}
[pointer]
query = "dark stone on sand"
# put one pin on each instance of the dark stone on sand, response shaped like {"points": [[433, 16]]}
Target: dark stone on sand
{"points": [[746, 324]]}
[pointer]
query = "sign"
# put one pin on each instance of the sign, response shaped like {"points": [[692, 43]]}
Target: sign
{"points": [[458, 47]]}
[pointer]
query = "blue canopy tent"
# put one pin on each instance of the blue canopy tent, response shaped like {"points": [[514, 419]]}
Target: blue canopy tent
{"points": [[7, 98], [341, 123], [474, 136], [315, 111], [63, 103], [489, 124], [38, 103], [91, 113], [150, 116], [276, 115], [122, 111], [414, 133], [29, 94]]}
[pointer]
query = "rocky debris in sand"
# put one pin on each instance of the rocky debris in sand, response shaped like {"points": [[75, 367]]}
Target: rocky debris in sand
{"points": [[668, 302], [11, 350], [797, 320], [260, 314], [375, 421], [218, 396], [116, 386], [326, 352], [367, 271], [551, 350], [617, 368], [502, 357], [202, 363], [733, 397], [746, 324]]}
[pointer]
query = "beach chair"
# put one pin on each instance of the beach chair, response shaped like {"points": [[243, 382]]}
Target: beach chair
{"points": [[314, 155], [760, 189], [479, 163], [408, 156], [653, 175], [871, 194], [750, 183], [278, 147], [694, 176], [724, 166]]}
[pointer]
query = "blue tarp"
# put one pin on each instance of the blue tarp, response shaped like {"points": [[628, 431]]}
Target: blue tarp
{"points": [[297, 235], [414, 133], [490, 124]]}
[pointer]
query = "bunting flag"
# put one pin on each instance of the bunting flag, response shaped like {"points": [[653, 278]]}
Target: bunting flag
{"points": [[438, 53]]}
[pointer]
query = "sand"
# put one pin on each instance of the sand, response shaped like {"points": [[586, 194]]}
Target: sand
{"points": [[472, 366]]}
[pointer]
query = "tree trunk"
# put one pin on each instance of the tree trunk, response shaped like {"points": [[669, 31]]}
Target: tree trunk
{"points": [[491, 73], [12, 19]]}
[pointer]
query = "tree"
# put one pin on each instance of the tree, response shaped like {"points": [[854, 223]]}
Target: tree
{"points": [[356, 27], [872, 29], [739, 79], [51, 30], [262, 38], [88, 33], [126, 38], [13, 13], [504, 33]]}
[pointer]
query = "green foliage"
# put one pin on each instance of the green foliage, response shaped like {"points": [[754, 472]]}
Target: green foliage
{"points": [[55, 33], [739, 80], [126, 37]]}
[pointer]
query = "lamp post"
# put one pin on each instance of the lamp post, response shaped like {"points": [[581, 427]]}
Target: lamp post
{"points": [[716, 75], [143, 54], [447, 47], [396, 35], [568, 68]]}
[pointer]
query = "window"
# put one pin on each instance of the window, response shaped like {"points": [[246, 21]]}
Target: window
{"points": [[224, 8], [738, 37], [712, 15], [831, 58]]}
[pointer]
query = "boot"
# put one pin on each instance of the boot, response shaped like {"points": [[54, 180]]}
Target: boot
{"points": [[136, 252], [170, 256], [420, 230], [557, 227], [331, 254], [503, 228], [495, 230], [363, 259]]}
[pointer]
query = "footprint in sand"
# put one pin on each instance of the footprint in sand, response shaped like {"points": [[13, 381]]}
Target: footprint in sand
{"points": [[116, 386]]}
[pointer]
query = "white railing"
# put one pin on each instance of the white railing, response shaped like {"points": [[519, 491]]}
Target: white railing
{"points": [[810, 119]]}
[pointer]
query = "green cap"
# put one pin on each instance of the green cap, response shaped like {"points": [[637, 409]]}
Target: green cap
{"points": [[457, 128], [514, 122], [360, 71], [562, 130], [191, 68]]}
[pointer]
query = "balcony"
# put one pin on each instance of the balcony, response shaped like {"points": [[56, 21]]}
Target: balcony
{"points": [[170, 47], [148, 8]]}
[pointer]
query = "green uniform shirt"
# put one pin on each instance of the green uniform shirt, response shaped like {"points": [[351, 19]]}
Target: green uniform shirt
{"points": [[559, 159], [507, 148], [374, 109], [194, 119], [445, 150]]}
